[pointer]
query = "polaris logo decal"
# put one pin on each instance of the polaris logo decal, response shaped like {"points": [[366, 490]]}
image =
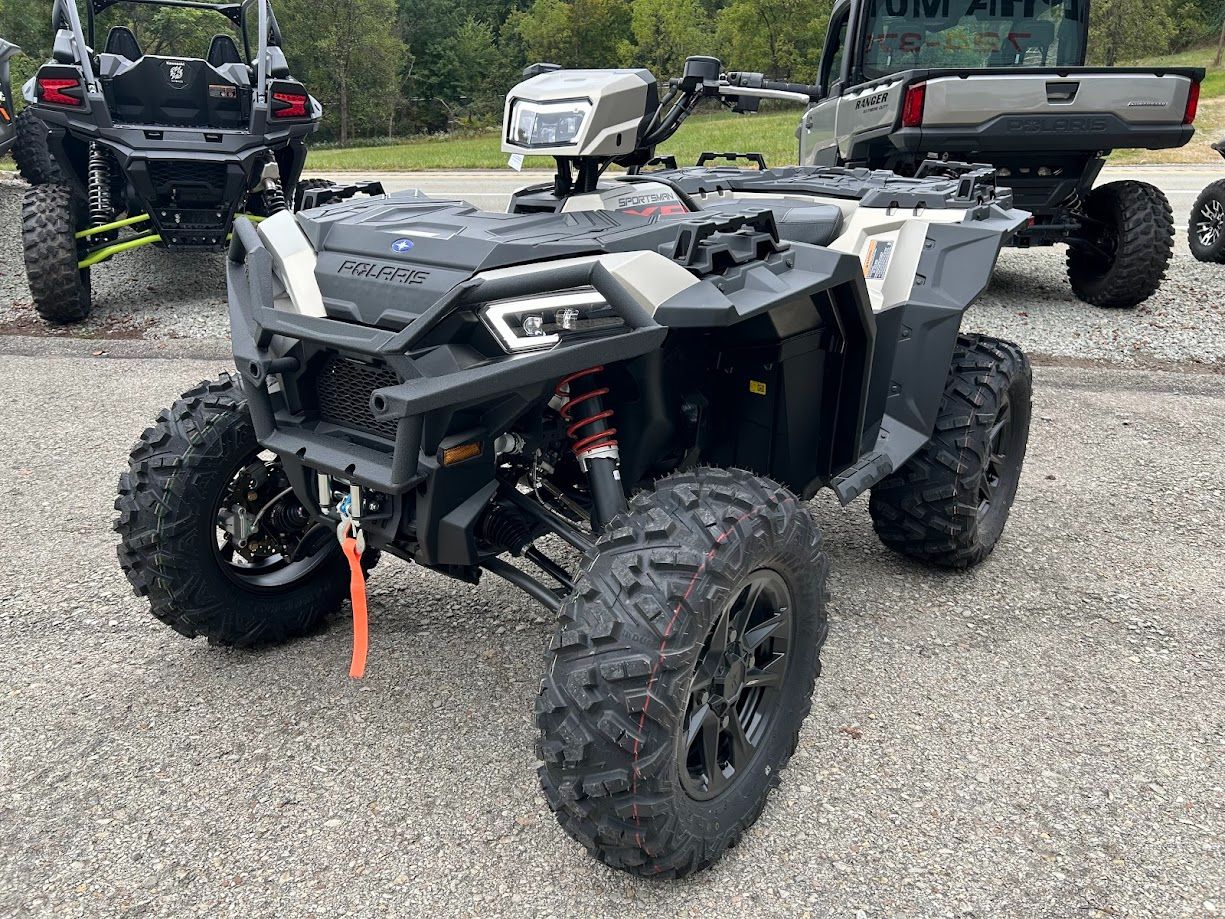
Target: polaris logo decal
{"points": [[389, 274], [1060, 125], [401, 245]]}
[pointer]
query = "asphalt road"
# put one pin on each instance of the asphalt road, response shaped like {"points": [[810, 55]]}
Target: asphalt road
{"points": [[1040, 737]]}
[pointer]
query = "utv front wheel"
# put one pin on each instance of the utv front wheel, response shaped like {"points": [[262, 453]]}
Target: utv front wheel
{"points": [[212, 534], [30, 152], [1206, 229], [681, 670], [50, 218], [1128, 240], [948, 504]]}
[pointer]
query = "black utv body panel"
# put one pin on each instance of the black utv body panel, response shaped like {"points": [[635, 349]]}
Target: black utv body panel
{"points": [[779, 335]]}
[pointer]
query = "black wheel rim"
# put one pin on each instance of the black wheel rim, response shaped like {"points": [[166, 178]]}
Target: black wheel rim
{"points": [[1000, 447], [264, 539], [737, 686]]}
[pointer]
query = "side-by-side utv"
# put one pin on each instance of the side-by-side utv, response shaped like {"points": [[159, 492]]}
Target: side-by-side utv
{"points": [[908, 84], [619, 399], [157, 150]]}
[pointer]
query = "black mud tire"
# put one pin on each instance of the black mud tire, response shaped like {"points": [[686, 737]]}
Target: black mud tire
{"points": [[176, 475], [304, 184], [1206, 228], [622, 665], [31, 153], [51, 215], [1133, 247], [932, 509]]}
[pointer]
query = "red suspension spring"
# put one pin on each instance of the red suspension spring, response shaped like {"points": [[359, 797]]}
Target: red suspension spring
{"points": [[591, 432]]}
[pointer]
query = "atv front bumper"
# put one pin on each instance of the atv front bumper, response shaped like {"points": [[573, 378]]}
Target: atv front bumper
{"points": [[373, 408]]}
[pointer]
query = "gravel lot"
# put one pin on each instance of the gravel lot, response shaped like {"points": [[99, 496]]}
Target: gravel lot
{"points": [[1040, 737], [156, 295]]}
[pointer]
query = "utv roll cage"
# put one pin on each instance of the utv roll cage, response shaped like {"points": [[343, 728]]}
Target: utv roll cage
{"points": [[64, 16]]}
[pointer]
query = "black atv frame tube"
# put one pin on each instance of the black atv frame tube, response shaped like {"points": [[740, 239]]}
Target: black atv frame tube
{"points": [[524, 581]]}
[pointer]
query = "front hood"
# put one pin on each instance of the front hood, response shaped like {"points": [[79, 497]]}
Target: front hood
{"points": [[384, 261]]}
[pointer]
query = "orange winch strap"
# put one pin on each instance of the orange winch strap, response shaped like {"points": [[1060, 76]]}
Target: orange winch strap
{"points": [[357, 594]]}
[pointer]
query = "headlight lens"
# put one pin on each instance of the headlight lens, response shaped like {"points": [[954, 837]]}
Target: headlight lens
{"points": [[540, 322], [546, 124]]}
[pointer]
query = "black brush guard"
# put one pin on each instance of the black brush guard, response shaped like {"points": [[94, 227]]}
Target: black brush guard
{"points": [[423, 391]]}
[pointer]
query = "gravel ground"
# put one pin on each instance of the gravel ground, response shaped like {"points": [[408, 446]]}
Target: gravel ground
{"points": [[156, 295], [1040, 737]]}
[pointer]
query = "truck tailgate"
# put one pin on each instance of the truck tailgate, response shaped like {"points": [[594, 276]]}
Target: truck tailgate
{"points": [[998, 111], [1148, 98]]}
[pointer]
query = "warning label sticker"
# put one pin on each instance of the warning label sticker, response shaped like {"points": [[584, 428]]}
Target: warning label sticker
{"points": [[876, 259]]}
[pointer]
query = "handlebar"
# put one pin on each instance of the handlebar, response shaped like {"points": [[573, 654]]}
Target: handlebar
{"points": [[749, 80]]}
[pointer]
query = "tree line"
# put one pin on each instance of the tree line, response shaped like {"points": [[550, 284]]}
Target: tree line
{"points": [[388, 68]]}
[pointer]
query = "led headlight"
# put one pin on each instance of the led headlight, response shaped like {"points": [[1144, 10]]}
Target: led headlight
{"points": [[538, 323], [546, 124]]}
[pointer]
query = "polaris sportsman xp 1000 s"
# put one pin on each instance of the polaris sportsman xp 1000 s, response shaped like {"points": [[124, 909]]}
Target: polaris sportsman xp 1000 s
{"points": [[622, 415]]}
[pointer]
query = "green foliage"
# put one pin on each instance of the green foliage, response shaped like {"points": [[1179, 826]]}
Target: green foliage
{"points": [[349, 54], [780, 37], [664, 33], [1122, 30], [574, 33], [403, 67]]}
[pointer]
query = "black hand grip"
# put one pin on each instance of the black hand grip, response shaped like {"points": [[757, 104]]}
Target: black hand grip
{"points": [[804, 89]]}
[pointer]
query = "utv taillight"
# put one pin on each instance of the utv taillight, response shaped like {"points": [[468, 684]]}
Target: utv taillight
{"points": [[912, 105], [1188, 115], [51, 91], [291, 105]]}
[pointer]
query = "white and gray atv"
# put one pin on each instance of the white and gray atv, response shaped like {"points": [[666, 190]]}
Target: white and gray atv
{"points": [[632, 404], [908, 84]]}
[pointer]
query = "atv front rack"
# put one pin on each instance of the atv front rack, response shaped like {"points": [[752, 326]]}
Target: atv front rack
{"points": [[268, 342]]}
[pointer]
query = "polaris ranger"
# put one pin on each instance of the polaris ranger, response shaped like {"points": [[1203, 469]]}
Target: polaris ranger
{"points": [[1003, 82], [157, 150], [635, 405]]}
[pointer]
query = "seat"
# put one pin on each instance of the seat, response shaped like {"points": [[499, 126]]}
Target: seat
{"points": [[222, 51], [815, 224], [121, 41]]}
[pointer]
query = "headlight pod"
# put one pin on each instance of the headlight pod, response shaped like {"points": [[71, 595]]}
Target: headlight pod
{"points": [[546, 124], [540, 322]]}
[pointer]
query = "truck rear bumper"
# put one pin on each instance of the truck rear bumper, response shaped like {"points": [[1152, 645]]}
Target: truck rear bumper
{"points": [[1018, 134]]}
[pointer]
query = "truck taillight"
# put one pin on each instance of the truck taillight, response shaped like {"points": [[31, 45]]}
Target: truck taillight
{"points": [[1188, 115], [51, 91], [912, 105], [292, 105]]}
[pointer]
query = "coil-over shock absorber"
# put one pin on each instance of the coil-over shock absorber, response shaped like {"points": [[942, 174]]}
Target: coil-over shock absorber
{"points": [[272, 194], [101, 177], [580, 402]]}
